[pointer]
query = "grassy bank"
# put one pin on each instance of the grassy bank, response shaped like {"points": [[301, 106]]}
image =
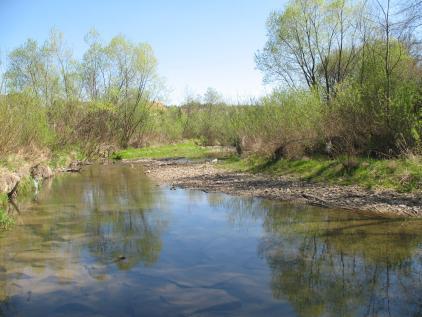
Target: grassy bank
{"points": [[188, 149], [402, 175]]}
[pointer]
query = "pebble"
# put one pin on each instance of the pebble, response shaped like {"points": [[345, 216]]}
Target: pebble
{"points": [[201, 176]]}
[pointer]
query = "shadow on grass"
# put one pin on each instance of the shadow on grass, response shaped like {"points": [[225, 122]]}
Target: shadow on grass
{"points": [[328, 171], [298, 167]]}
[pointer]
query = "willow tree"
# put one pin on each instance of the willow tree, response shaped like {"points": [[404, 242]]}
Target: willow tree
{"points": [[46, 71], [94, 68], [133, 83], [304, 39], [65, 65], [30, 69]]}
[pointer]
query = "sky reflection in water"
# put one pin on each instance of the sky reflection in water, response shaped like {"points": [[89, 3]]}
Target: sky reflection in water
{"points": [[109, 242]]}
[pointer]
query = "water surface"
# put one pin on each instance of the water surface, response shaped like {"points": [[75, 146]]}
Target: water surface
{"points": [[109, 242]]}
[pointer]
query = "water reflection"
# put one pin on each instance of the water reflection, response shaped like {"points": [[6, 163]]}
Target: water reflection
{"points": [[329, 263], [108, 242], [105, 218]]}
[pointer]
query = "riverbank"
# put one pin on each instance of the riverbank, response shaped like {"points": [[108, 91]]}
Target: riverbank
{"points": [[24, 173], [210, 177], [390, 187], [402, 174]]}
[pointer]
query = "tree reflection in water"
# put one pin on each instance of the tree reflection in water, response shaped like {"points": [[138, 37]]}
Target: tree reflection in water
{"points": [[118, 215], [88, 244], [113, 216], [337, 263]]}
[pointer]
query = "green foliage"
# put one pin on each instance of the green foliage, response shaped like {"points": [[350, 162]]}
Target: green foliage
{"points": [[23, 123], [83, 125], [133, 87], [54, 100], [284, 122], [63, 157], [117, 156], [187, 149], [342, 95], [364, 120], [164, 126], [3, 199], [369, 79], [26, 186], [208, 121]]}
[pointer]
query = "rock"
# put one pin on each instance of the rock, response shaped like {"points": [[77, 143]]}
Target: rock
{"points": [[41, 171], [9, 182], [74, 167]]}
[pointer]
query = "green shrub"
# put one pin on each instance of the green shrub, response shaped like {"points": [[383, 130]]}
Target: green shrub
{"points": [[23, 122]]}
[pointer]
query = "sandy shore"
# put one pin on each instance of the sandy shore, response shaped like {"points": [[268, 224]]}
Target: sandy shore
{"points": [[208, 177]]}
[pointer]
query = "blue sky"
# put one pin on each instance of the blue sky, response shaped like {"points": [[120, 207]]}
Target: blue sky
{"points": [[198, 44]]}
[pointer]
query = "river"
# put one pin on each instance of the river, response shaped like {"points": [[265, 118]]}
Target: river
{"points": [[110, 242]]}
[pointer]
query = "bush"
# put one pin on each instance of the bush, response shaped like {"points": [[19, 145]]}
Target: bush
{"points": [[284, 124], [23, 123], [367, 117]]}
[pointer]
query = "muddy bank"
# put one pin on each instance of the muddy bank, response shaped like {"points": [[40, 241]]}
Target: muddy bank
{"points": [[207, 177]]}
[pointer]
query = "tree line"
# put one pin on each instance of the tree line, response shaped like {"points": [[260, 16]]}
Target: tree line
{"points": [[349, 77], [104, 97], [362, 59]]}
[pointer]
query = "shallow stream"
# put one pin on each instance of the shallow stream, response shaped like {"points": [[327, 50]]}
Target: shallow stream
{"points": [[109, 242]]}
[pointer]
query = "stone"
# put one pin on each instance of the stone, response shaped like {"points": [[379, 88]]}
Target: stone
{"points": [[74, 166], [8, 182], [41, 171]]}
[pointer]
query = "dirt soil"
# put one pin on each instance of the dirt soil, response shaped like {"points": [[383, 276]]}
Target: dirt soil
{"points": [[206, 176]]}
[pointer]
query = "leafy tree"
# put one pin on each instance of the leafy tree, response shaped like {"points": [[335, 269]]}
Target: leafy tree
{"points": [[67, 67], [304, 38], [94, 68], [30, 69], [133, 84]]}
